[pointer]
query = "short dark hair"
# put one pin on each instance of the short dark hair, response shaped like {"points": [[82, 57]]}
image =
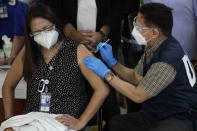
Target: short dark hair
{"points": [[159, 15]]}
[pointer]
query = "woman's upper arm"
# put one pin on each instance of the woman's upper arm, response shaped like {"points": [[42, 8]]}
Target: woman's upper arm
{"points": [[95, 81], [16, 71]]}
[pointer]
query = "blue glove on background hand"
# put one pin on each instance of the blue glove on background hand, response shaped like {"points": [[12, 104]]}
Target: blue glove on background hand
{"points": [[96, 65], [107, 54]]}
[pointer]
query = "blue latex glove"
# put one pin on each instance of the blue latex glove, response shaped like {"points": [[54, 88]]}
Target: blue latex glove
{"points": [[107, 54], [96, 65]]}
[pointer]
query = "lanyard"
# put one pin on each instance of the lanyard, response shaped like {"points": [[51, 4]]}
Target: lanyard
{"points": [[44, 82], [43, 85]]}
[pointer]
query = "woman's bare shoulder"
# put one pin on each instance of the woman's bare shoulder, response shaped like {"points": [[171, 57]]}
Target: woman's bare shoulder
{"points": [[83, 52]]}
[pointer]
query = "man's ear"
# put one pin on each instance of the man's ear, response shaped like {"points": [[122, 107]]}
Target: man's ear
{"points": [[156, 32]]}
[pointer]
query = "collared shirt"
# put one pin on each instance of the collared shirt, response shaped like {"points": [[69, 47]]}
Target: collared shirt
{"points": [[158, 77], [184, 23]]}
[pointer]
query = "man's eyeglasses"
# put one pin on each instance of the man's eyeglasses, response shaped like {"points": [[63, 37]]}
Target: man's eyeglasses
{"points": [[132, 23], [139, 27], [49, 28]]}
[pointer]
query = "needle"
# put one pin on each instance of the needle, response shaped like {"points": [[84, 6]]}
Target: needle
{"points": [[101, 46]]}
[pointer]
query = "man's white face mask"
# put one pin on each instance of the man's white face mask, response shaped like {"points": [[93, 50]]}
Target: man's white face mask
{"points": [[139, 37], [47, 38]]}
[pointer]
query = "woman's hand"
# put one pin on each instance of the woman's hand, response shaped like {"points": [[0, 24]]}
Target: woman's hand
{"points": [[70, 121]]}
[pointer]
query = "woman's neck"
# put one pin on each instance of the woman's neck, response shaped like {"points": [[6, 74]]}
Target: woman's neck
{"points": [[48, 54]]}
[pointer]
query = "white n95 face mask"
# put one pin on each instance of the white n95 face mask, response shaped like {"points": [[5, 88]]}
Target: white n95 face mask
{"points": [[47, 38], [138, 37]]}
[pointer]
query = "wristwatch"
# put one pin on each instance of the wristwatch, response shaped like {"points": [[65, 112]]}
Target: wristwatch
{"points": [[104, 37], [109, 76]]}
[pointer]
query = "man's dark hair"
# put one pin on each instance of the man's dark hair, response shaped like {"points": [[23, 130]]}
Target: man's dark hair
{"points": [[158, 15]]}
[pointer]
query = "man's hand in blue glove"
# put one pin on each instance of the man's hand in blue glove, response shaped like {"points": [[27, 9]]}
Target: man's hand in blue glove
{"points": [[107, 54], [96, 65]]}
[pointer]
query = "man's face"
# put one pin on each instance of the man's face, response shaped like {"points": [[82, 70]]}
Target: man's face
{"points": [[147, 32]]}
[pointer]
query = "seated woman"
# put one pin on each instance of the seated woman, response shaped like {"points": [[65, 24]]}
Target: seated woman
{"points": [[52, 66]]}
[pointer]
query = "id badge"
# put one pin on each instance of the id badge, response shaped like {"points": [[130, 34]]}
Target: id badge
{"points": [[45, 102], [3, 12]]}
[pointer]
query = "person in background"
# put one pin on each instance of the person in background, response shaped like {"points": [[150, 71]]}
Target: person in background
{"points": [[89, 21], [163, 81], [7, 15], [51, 63], [16, 24]]}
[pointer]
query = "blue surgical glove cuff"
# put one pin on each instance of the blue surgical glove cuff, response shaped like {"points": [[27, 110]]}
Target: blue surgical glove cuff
{"points": [[97, 66], [112, 62], [107, 54], [105, 72]]}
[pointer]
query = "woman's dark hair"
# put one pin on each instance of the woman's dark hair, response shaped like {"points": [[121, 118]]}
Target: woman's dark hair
{"points": [[158, 15], [32, 52]]}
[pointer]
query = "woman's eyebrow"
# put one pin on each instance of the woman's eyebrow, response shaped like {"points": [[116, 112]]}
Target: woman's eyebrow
{"points": [[46, 27], [41, 29]]}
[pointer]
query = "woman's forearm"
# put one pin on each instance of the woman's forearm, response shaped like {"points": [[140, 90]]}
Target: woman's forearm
{"points": [[95, 103], [13, 77], [8, 101]]}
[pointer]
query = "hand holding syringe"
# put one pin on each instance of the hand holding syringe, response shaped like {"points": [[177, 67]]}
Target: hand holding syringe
{"points": [[95, 51]]}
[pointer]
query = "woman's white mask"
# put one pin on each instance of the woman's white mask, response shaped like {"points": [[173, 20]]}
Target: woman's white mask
{"points": [[47, 38]]}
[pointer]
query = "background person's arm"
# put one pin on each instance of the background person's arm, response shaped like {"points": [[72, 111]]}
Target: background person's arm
{"points": [[59, 8], [17, 44], [13, 77], [78, 36], [70, 31]]}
